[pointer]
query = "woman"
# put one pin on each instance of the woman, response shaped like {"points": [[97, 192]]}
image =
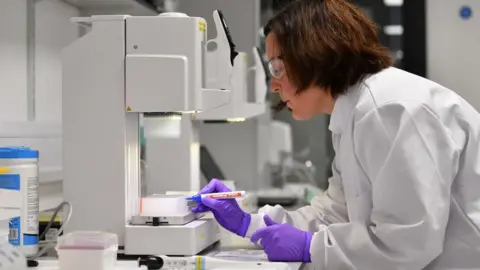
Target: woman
{"points": [[405, 191]]}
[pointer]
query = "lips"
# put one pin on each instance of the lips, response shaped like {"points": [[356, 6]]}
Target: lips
{"points": [[279, 106]]}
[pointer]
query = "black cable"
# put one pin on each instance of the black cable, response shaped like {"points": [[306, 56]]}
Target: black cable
{"points": [[32, 263], [151, 262]]}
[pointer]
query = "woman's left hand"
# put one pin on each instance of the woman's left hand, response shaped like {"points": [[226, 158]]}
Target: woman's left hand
{"points": [[283, 242]]}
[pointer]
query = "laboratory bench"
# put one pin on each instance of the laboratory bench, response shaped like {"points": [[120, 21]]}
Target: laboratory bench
{"points": [[123, 265], [51, 263]]}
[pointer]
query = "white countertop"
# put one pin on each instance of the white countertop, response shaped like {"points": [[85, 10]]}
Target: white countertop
{"points": [[130, 265], [52, 264]]}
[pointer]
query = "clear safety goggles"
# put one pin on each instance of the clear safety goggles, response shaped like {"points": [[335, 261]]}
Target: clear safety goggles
{"points": [[276, 67]]}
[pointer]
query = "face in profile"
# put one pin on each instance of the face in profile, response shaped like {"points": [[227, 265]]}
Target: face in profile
{"points": [[304, 105]]}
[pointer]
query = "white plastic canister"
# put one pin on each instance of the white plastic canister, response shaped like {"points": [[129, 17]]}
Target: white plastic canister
{"points": [[19, 171]]}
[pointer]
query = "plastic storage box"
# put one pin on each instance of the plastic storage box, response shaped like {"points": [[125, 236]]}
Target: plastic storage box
{"points": [[87, 250]]}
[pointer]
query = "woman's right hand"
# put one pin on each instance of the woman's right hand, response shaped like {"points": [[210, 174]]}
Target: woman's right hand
{"points": [[226, 211]]}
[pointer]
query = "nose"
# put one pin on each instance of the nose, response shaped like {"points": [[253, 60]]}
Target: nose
{"points": [[274, 85]]}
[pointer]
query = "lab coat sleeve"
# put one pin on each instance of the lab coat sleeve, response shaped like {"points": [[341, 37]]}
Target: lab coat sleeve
{"points": [[411, 161], [326, 209]]}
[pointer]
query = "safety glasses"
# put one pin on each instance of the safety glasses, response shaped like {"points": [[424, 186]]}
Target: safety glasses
{"points": [[276, 67]]}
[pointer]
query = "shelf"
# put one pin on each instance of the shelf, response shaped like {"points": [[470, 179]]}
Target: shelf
{"points": [[233, 112], [119, 7], [212, 99]]}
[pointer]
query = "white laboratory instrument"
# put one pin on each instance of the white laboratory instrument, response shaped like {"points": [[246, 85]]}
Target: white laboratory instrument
{"points": [[283, 167], [241, 149], [164, 209], [281, 149], [180, 136], [261, 86], [239, 108], [280, 159], [122, 67]]}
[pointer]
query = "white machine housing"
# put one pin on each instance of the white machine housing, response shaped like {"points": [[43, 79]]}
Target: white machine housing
{"points": [[239, 108], [220, 75], [180, 136], [180, 170], [281, 147], [122, 67], [261, 86], [157, 59]]}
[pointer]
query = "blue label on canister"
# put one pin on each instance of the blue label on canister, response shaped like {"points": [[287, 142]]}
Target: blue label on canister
{"points": [[10, 181], [15, 234], [14, 231], [30, 239]]}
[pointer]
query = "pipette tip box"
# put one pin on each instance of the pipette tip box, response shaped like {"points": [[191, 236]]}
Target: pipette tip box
{"points": [[87, 250]]}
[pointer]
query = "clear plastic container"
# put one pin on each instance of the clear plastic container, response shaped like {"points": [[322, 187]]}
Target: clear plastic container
{"points": [[87, 250]]}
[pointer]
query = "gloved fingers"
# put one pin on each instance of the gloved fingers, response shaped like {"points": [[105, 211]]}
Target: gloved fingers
{"points": [[270, 255], [270, 251], [209, 188], [258, 245], [212, 203], [220, 186], [214, 186], [268, 221], [263, 244], [261, 233], [200, 208]]}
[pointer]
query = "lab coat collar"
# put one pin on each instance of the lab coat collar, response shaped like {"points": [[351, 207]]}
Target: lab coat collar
{"points": [[343, 108]]}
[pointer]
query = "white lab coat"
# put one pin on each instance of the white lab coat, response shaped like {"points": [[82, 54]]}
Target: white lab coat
{"points": [[405, 191]]}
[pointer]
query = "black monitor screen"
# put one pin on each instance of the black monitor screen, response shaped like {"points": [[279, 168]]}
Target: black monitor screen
{"points": [[208, 166]]}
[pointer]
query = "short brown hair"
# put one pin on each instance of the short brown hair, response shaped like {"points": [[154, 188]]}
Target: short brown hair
{"points": [[330, 43]]}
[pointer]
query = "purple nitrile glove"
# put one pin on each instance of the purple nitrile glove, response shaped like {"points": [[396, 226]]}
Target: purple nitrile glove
{"points": [[283, 242], [226, 211]]}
